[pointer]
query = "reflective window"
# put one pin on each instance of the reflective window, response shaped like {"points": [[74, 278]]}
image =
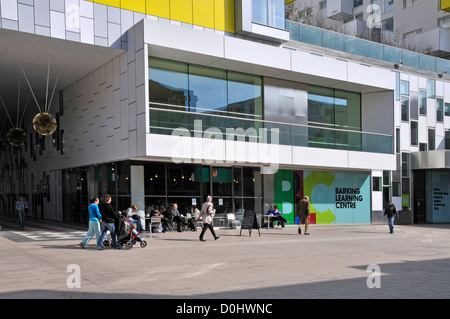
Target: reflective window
{"points": [[439, 110], [334, 108], [431, 139], [405, 164], [414, 133], [168, 82], [405, 108], [423, 102], [201, 89], [207, 89], [244, 94], [269, 12], [431, 88], [260, 11]]}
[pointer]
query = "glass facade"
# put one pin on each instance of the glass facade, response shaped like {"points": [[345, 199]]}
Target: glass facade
{"points": [[335, 109], [269, 12], [230, 100], [81, 184], [192, 88], [234, 189], [365, 48]]}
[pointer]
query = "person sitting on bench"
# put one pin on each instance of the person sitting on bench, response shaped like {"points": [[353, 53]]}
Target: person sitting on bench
{"points": [[277, 216]]}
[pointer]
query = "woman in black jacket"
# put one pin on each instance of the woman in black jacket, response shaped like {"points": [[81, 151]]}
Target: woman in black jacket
{"points": [[109, 216]]}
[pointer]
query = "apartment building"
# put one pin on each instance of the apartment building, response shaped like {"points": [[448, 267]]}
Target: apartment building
{"points": [[161, 102], [417, 25]]}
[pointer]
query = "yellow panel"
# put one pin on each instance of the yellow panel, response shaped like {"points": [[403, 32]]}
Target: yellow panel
{"points": [[159, 8], [445, 5], [224, 15], [113, 3], [181, 10], [215, 14], [134, 5], [289, 1], [203, 13]]}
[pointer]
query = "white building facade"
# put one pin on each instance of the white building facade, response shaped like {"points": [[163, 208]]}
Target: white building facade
{"points": [[156, 109]]}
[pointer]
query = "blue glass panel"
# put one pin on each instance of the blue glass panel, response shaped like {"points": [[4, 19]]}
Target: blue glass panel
{"points": [[277, 15], [442, 65], [260, 11], [427, 63], [354, 46], [391, 54], [294, 30], [410, 59], [333, 40], [310, 35], [373, 50]]}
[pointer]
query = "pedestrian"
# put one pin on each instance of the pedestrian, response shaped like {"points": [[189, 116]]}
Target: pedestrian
{"points": [[390, 212], [21, 209], [94, 223], [207, 214], [302, 211], [109, 217]]}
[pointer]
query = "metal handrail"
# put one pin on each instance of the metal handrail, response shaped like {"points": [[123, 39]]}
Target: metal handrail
{"points": [[253, 120]]}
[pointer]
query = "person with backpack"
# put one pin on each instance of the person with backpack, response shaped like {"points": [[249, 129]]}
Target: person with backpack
{"points": [[390, 212]]}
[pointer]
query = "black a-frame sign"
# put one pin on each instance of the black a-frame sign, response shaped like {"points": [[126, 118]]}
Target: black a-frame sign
{"points": [[249, 222]]}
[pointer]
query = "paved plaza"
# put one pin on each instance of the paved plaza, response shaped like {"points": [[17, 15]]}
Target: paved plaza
{"points": [[351, 261]]}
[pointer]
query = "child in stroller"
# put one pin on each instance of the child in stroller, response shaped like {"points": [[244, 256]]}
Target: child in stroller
{"points": [[127, 234]]}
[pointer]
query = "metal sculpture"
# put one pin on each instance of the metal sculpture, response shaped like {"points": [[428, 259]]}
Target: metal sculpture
{"points": [[44, 123]]}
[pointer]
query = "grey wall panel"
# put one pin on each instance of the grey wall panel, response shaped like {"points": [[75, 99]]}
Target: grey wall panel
{"points": [[9, 9], [57, 25], [42, 13], [57, 5], [100, 21], [26, 18], [87, 30]]}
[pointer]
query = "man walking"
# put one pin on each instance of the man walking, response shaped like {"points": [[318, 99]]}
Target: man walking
{"points": [[302, 210], [390, 212], [21, 208]]}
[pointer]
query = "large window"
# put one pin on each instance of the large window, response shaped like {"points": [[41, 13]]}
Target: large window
{"points": [[439, 110], [335, 109], [269, 12], [414, 133], [431, 139], [168, 82], [200, 89], [423, 102], [405, 108]]}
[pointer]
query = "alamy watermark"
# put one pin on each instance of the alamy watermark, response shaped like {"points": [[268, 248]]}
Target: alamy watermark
{"points": [[374, 19], [374, 279], [74, 279], [235, 145]]}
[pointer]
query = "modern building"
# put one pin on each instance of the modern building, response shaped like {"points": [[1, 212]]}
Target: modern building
{"points": [[160, 102], [417, 25]]}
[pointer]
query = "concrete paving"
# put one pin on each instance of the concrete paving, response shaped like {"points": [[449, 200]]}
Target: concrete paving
{"points": [[338, 261]]}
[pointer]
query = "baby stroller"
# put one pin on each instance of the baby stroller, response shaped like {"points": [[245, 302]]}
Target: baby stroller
{"points": [[125, 235]]}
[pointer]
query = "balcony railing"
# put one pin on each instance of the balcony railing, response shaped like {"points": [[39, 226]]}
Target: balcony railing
{"points": [[165, 122], [365, 48]]}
